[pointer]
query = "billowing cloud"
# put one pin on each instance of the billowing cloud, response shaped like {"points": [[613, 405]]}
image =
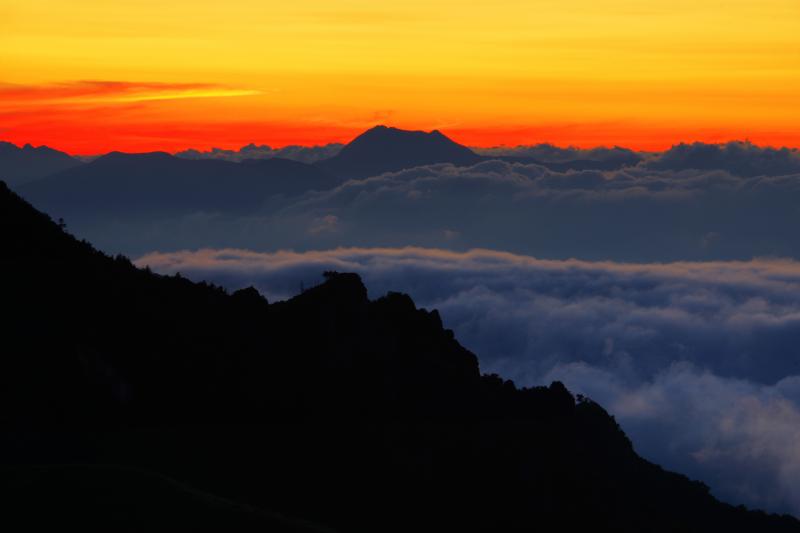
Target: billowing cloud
{"points": [[634, 214], [304, 154], [548, 153], [738, 158], [739, 437], [697, 361]]}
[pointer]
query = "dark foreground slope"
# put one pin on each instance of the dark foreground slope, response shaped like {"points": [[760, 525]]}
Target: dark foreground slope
{"points": [[135, 402]]}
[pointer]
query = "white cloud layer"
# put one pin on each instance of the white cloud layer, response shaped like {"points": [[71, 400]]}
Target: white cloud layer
{"points": [[698, 361]]}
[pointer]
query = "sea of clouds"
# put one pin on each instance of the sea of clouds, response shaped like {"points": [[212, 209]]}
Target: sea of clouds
{"points": [[693, 202], [698, 361]]}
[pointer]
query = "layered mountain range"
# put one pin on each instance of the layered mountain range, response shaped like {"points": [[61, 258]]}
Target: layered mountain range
{"points": [[159, 183], [390, 187]]}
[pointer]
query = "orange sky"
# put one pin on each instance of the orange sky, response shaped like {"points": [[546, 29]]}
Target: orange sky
{"points": [[89, 76]]}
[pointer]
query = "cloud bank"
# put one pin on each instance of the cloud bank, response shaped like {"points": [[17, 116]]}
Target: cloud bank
{"points": [[633, 214], [548, 153], [739, 158], [698, 361]]}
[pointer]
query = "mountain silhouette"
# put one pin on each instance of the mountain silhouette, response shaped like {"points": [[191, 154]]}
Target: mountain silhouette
{"points": [[383, 149], [138, 402], [21, 165], [159, 183]]}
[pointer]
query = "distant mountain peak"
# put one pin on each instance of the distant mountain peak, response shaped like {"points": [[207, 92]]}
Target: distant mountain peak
{"points": [[390, 132], [387, 149]]}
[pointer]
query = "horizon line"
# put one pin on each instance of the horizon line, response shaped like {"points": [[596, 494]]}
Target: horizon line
{"points": [[237, 147]]}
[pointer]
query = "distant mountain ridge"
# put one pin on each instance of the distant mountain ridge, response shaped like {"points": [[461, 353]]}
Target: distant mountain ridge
{"points": [[330, 407], [159, 183], [29, 163]]}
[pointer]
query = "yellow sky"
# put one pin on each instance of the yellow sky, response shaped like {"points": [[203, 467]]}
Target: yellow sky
{"points": [[640, 73]]}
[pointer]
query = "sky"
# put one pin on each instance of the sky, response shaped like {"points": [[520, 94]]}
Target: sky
{"points": [[89, 76]]}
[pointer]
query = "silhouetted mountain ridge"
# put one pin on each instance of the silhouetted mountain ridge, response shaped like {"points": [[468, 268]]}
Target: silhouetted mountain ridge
{"points": [[358, 414]]}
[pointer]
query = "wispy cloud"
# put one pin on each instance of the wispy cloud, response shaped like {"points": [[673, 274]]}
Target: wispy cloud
{"points": [[111, 91]]}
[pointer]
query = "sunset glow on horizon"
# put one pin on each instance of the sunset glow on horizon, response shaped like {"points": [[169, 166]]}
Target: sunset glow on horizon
{"points": [[88, 76]]}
